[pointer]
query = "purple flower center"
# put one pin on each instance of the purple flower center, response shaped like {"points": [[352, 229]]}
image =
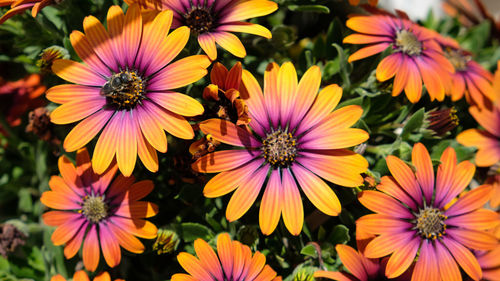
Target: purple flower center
{"points": [[408, 43], [458, 59], [94, 208], [199, 19], [124, 90], [430, 223], [279, 148]]}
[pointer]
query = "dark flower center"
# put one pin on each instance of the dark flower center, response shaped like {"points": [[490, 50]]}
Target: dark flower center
{"points": [[408, 42], [124, 90], [199, 20], [458, 59], [430, 223], [279, 148], [94, 208]]}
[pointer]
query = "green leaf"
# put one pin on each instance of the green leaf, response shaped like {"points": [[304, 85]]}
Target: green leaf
{"points": [[339, 235], [309, 250], [190, 231], [414, 123], [309, 8], [25, 202], [35, 259]]}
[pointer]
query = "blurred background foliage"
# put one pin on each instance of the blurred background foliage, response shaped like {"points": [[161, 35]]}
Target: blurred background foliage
{"points": [[306, 32]]}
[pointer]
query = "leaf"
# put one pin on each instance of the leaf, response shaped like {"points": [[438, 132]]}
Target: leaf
{"points": [[35, 259], [191, 231], [339, 235], [309, 250], [414, 123], [309, 8]]}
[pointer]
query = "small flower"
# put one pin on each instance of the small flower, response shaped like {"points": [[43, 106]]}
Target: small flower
{"points": [[233, 261], [82, 276], [203, 146], [125, 88], [213, 21], [97, 211], [441, 121], [39, 124], [10, 239], [410, 217], [48, 56], [166, 242], [296, 136], [19, 6], [360, 267], [415, 56], [487, 140], [494, 181]]}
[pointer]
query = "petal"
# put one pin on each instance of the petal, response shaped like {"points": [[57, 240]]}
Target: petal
{"points": [[376, 25], [115, 20], [249, 9], [207, 44], [126, 151], [336, 139], [424, 170], [103, 276], [228, 132], [383, 224], [405, 177], [86, 130], [445, 174], [255, 102], [490, 120], [306, 92], [208, 258], [106, 146], [287, 87], [74, 244], [386, 244], [402, 258], [56, 218], [413, 86], [448, 267], [464, 258], [401, 77], [230, 43], [463, 174], [67, 230], [223, 160], [390, 186], [132, 33], [180, 73], [471, 201], [126, 240], [271, 99], [378, 202], [77, 73], [153, 36], [271, 204], [339, 276], [352, 261], [57, 200], [174, 124], [91, 250], [192, 266], [317, 191], [225, 251], [110, 247], [80, 275], [86, 52], [245, 195], [76, 110], [479, 220], [69, 92], [147, 154], [368, 51], [388, 67], [169, 49], [473, 239], [431, 79], [140, 190], [182, 277], [100, 41], [293, 211], [151, 130], [357, 38], [138, 227], [426, 265], [70, 176], [245, 27]]}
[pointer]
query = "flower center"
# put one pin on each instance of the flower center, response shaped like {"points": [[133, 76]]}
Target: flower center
{"points": [[199, 20], [94, 208], [279, 148], [408, 42], [430, 223], [458, 59], [124, 90]]}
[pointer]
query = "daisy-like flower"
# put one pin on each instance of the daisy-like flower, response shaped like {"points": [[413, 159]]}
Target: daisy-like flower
{"points": [[487, 140], [494, 180], [125, 87], [98, 211], [490, 263], [360, 267], [213, 21], [233, 261], [411, 217], [296, 137], [19, 6], [82, 276], [469, 78], [415, 56]]}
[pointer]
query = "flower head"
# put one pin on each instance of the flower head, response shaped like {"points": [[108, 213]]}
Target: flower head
{"points": [[213, 21], [295, 137], [19, 6], [98, 211], [487, 140], [125, 88], [410, 217], [360, 267], [82, 276], [49, 55], [233, 261], [415, 56]]}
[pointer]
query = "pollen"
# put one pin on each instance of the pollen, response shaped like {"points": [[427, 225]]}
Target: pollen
{"points": [[94, 208], [279, 148], [430, 223], [124, 90], [408, 43], [458, 59], [199, 20]]}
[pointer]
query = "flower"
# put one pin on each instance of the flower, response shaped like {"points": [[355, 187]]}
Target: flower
{"points": [[469, 78], [224, 90], [213, 21], [360, 267], [487, 140], [125, 87], [19, 6], [494, 180], [82, 276], [166, 241], [490, 263], [441, 121], [370, 2], [410, 217], [233, 261], [49, 55], [295, 133], [415, 56], [104, 212]]}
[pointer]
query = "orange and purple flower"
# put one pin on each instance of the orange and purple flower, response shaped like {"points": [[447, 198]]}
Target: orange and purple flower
{"points": [[297, 137], [82, 276], [98, 211], [19, 6], [233, 261], [126, 87], [213, 21], [411, 218], [415, 56]]}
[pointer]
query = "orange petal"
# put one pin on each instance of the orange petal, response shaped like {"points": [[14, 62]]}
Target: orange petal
{"points": [[287, 87], [76, 110], [425, 172], [207, 44], [246, 27], [208, 258], [405, 177], [69, 92], [100, 41], [193, 267], [271, 204], [464, 258], [426, 265], [245, 195], [178, 103], [402, 258], [388, 67], [352, 261], [223, 160], [106, 146], [86, 52], [378, 202], [293, 211], [91, 250], [77, 73], [86, 130], [126, 240], [132, 32], [247, 10], [228, 132], [230, 43], [448, 267], [368, 51], [110, 247], [151, 130], [306, 92], [169, 49], [147, 154]]}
